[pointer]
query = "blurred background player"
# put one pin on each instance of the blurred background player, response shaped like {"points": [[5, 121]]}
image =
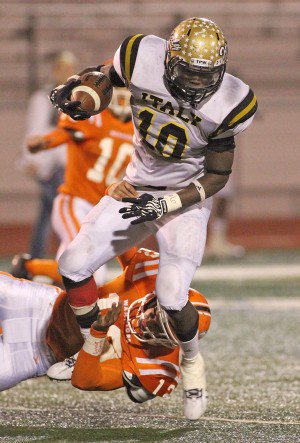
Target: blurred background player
{"points": [[98, 151], [140, 352], [218, 244], [47, 168]]}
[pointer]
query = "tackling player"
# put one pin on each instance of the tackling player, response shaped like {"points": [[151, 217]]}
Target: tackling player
{"points": [[98, 151], [139, 352], [186, 113]]}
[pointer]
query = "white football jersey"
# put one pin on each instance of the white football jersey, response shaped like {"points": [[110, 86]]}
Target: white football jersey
{"points": [[171, 138]]}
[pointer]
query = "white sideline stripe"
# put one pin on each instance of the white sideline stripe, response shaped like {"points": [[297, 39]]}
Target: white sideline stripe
{"points": [[257, 304], [247, 272], [238, 273]]}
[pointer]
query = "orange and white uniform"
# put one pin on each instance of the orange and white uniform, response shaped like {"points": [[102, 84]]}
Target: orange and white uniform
{"points": [[98, 151], [155, 368]]}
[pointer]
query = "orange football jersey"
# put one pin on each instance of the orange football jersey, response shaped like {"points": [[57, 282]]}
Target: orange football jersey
{"points": [[98, 151]]}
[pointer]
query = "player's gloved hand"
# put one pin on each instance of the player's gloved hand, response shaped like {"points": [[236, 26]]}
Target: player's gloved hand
{"points": [[105, 320], [60, 98], [146, 208]]}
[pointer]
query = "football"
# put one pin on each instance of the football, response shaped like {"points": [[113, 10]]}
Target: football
{"points": [[94, 93]]}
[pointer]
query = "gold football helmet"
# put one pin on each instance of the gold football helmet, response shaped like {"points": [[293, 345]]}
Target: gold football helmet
{"points": [[196, 60]]}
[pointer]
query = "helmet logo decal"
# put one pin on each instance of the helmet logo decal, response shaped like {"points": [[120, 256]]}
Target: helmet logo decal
{"points": [[223, 51], [201, 63], [175, 45]]}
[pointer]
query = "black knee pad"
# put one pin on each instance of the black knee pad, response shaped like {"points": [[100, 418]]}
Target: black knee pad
{"points": [[185, 322]]}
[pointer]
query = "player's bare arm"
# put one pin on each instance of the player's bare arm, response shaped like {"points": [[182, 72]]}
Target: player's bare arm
{"points": [[36, 143], [218, 166]]}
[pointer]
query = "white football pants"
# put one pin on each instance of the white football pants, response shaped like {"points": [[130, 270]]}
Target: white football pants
{"points": [[25, 310], [67, 216], [104, 234]]}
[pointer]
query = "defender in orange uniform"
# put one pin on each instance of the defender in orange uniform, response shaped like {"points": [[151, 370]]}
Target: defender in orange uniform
{"points": [[139, 351], [98, 151]]}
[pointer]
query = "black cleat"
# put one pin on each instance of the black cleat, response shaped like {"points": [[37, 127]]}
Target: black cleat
{"points": [[18, 267]]}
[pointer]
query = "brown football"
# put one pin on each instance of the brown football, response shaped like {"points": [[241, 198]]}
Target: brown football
{"points": [[94, 93]]}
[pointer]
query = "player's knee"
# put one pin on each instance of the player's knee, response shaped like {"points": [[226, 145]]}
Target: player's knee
{"points": [[73, 263], [170, 289]]}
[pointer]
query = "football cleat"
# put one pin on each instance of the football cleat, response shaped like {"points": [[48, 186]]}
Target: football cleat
{"points": [[63, 370], [194, 387], [18, 266], [194, 403]]}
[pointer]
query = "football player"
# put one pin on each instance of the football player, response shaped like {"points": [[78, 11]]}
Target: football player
{"points": [[186, 112], [139, 352], [98, 151]]}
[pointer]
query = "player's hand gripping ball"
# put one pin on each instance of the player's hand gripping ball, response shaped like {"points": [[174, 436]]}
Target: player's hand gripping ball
{"points": [[94, 93]]}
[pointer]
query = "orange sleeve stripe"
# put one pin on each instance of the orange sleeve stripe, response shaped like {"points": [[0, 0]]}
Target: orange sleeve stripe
{"points": [[73, 217], [64, 220]]}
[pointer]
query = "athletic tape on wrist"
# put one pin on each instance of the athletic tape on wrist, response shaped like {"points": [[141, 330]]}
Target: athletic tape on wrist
{"points": [[173, 202], [94, 345], [200, 189]]}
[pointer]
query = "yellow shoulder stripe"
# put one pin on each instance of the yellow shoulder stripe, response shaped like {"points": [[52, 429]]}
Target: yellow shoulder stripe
{"points": [[128, 54], [243, 112]]}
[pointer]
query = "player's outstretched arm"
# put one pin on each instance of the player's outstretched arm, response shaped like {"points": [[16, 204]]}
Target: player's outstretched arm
{"points": [[57, 137]]}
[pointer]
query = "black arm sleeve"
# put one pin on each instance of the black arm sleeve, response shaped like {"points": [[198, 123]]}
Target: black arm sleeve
{"points": [[221, 144], [115, 79]]}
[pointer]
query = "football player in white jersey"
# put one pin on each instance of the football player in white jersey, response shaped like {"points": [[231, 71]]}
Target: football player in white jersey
{"points": [[186, 112]]}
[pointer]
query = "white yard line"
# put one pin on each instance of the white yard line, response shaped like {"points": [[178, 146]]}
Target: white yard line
{"points": [[238, 273], [231, 420], [247, 272], [256, 304], [176, 417]]}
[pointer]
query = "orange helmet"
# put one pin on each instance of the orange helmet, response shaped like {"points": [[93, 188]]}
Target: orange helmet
{"points": [[120, 104], [150, 323]]}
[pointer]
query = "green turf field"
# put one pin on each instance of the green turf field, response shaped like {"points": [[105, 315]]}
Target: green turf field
{"points": [[252, 358]]}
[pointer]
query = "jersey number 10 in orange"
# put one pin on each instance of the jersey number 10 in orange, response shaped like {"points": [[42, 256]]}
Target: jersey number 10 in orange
{"points": [[106, 170]]}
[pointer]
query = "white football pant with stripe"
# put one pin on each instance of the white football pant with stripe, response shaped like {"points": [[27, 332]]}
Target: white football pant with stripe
{"points": [[67, 216], [104, 234]]}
